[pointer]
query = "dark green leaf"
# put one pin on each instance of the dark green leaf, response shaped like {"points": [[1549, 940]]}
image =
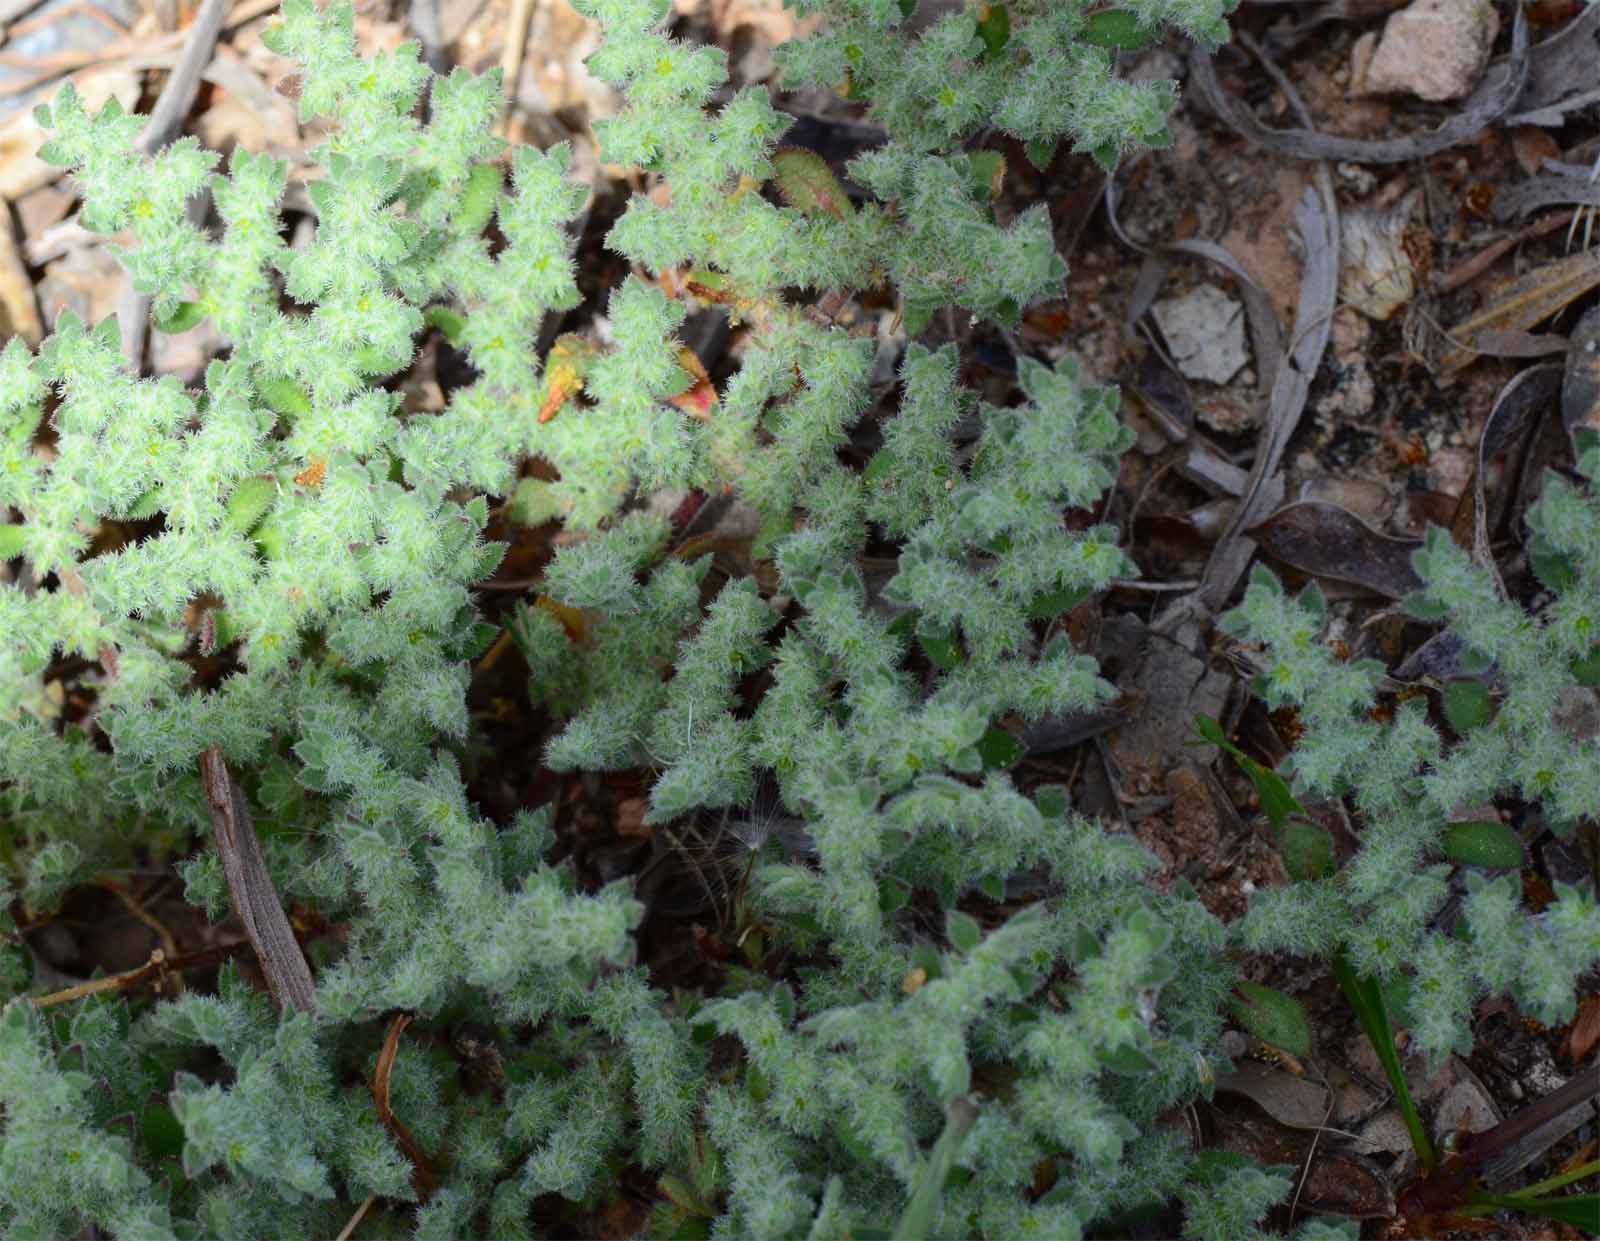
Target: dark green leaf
{"points": [[941, 646], [159, 1130], [1483, 843], [1553, 570], [1119, 30], [1127, 1061], [1277, 801], [1055, 603], [1466, 705], [917, 318], [999, 749], [994, 28], [1307, 850], [963, 930], [1582, 1211], [1271, 1016], [892, 896]]}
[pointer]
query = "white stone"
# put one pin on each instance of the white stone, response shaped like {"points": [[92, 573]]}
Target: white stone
{"points": [[1433, 49], [1205, 333]]}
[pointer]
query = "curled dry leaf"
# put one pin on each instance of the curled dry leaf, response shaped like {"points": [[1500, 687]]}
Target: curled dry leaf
{"points": [[422, 1175], [1376, 272], [1514, 415], [1498, 93], [1328, 541]]}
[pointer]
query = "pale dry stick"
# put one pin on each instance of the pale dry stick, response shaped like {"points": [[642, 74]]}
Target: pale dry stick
{"points": [[349, 1229], [255, 900], [157, 966], [81, 8], [511, 60], [1470, 269], [51, 67], [1311, 1153], [168, 943], [10, 10], [164, 124]]}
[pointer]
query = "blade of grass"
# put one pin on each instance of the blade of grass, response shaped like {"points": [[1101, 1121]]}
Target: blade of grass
{"points": [[917, 1221], [1366, 998]]}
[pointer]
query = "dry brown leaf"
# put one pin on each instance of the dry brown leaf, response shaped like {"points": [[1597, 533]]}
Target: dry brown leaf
{"points": [[1330, 542], [1520, 306], [1585, 1031]]}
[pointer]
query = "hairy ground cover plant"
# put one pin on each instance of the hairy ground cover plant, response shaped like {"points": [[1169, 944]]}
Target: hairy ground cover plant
{"points": [[916, 1061], [1516, 729]]}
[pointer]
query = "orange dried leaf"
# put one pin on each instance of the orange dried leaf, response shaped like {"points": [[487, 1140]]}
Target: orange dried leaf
{"points": [[572, 619], [564, 371], [313, 474]]}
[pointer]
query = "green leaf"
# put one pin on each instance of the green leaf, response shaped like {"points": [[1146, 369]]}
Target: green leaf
{"points": [[988, 175], [999, 749], [1127, 1061], [1271, 1016], [147, 505], [183, 317], [1365, 997], [272, 540], [159, 1130], [963, 930], [1119, 30], [994, 28], [941, 646], [1586, 669], [893, 896], [478, 200], [249, 504], [1276, 799], [1307, 850], [1554, 571], [1582, 1211], [917, 1220], [918, 316], [1053, 604], [449, 322], [1484, 843], [808, 185], [1041, 153], [10, 541], [1466, 705], [774, 526], [926, 957], [882, 467], [284, 397], [993, 886]]}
